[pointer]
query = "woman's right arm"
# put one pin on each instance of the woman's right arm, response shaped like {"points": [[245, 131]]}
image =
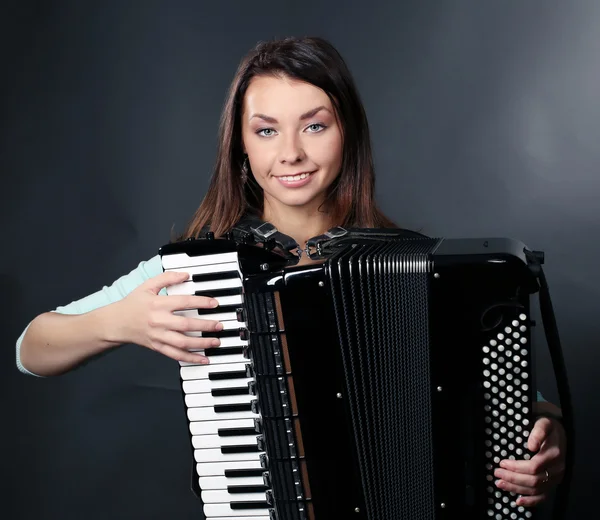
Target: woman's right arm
{"points": [[133, 309]]}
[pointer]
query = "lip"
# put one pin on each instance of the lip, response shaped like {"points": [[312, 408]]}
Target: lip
{"points": [[295, 184]]}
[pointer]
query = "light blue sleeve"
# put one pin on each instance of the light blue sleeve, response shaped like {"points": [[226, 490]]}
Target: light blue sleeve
{"points": [[108, 294]]}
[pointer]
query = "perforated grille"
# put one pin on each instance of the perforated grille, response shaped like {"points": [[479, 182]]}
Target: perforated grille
{"points": [[381, 304], [507, 396]]}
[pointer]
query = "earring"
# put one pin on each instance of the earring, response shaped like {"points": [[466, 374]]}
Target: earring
{"points": [[245, 168]]}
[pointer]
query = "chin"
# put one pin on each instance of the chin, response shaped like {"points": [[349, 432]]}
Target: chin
{"points": [[297, 201]]}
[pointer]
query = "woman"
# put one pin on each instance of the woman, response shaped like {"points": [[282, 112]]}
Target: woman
{"points": [[295, 151]]}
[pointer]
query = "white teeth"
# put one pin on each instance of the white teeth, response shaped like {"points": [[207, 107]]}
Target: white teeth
{"points": [[295, 177]]}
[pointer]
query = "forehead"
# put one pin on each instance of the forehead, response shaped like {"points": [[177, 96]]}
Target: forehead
{"points": [[282, 96]]}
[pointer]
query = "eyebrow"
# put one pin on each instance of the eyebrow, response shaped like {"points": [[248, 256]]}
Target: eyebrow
{"points": [[306, 115]]}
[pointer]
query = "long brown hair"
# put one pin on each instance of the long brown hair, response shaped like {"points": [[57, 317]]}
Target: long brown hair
{"points": [[350, 198]]}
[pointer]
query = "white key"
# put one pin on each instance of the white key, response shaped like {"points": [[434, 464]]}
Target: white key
{"points": [[224, 482], [178, 260], [188, 288], [201, 442], [235, 299], [217, 469], [212, 268], [202, 372], [195, 400], [217, 496], [217, 360], [207, 413], [232, 341], [199, 386], [240, 518], [211, 510], [213, 427], [215, 455]]}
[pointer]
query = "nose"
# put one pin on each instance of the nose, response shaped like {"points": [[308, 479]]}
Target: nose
{"points": [[291, 151]]}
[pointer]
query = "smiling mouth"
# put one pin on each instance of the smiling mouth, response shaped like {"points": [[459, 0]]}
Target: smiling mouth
{"points": [[297, 177]]}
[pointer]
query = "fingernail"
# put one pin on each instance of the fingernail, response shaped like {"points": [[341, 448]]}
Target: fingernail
{"points": [[219, 326], [215, 342], [214, 302]]}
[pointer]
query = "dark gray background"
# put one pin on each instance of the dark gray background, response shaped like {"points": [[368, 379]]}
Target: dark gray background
{"points": [[485, 122]]}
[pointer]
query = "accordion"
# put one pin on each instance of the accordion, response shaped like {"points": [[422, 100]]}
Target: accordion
{"points": [[386, 379]]}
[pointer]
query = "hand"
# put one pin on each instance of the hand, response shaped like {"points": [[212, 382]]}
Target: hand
{"points": [[534, 478], [146, 318]]}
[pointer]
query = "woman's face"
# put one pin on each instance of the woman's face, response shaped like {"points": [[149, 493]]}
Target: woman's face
{"points": [[293, 141]]}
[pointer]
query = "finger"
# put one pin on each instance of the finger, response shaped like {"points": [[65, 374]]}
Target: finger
{"points": [[518, 479], [531, 501], [515, 488], [532, 466], [183, 342], [156, 283], [181, 355], [186, 324], [176, 303], [541, 431]]}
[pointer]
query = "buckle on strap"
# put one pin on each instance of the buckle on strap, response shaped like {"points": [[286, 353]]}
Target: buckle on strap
{"points": [[336, 232], [265, 230]]}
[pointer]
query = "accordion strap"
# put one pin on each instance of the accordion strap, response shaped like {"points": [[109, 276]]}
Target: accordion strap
{"points": [[251, 229], [324, 244], [536, 259]]}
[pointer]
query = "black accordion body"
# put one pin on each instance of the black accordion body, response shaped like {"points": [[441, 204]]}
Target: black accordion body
{"points": [[386, 380]]}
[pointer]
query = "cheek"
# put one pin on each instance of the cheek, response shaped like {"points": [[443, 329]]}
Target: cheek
{"points": [[329, 151], [261, 159]]}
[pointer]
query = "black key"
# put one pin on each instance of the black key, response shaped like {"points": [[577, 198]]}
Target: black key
{"points": [[214, 293], [216, 376], [246, 489], [209, 277], [221, 334], [223, 351], [234, 432], [249, 505], [243, 448], [224, 408], [220, 309], [234, 473], [220, 392]]}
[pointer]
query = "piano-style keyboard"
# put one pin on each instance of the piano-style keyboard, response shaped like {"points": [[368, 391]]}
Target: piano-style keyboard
{"points": [[224, 423]]}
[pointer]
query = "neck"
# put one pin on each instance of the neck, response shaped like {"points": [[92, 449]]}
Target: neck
{"points": [[298, 223]]}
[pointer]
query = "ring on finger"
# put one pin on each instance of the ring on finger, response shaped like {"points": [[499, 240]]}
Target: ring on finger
{"points": [[547, 476]]}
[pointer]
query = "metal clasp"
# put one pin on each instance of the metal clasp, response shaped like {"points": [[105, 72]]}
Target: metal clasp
{"points": [[336, 232], [265, 230]]}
